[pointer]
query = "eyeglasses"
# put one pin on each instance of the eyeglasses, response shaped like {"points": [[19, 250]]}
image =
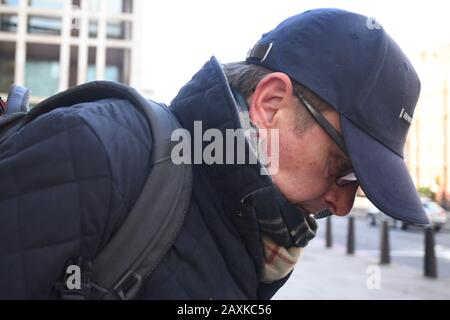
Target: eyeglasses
{"points": [[348, 176]]}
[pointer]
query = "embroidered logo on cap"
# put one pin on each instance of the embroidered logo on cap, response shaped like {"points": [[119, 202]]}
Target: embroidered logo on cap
{"points": [[405, 116]]}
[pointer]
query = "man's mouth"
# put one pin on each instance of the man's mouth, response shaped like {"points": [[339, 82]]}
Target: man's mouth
{"points": [[317, 214], [323, 214]]}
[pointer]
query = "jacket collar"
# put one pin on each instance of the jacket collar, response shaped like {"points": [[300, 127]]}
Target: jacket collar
{"points": [[209, 99]]}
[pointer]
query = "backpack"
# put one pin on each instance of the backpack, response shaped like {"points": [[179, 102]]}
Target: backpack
{"points": [[150, 228]]}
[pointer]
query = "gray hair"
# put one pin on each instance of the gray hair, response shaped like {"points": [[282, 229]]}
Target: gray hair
{"points": [[245, 77]]}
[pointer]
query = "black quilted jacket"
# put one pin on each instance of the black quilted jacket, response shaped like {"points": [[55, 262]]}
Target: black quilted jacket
{"points": [[69, 178]]}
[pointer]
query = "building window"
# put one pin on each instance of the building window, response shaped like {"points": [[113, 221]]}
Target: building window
{"points": [[92, 62], [7, 65], [119, 6], [42, 69], [46, 4], [118, 65], [10, 2], [76, 4], [93, 28], [75, 27], [44, 25], [127, 6], [8, 22], [119, 30]]}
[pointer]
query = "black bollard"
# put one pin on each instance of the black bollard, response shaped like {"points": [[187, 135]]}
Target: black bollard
{"points": [[385, 257], [329, 238], [351, 236], [430, 263]]}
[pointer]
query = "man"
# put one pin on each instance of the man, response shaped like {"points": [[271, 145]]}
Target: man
{"points": [[336, 89]]}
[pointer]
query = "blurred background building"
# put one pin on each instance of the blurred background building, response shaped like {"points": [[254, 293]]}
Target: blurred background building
{"points": [[51, 45], [428, 146]]}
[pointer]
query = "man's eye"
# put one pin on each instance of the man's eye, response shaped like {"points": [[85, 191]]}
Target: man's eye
{"points": [[345, 167]]}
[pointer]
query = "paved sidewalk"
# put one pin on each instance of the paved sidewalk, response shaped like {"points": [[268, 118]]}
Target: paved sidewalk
{"points": [[332, 274]]}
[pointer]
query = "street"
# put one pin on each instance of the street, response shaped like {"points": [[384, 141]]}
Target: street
{"points": [[407, 246], [329, 273]]}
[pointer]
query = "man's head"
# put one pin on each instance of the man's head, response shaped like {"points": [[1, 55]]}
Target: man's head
{"points": [[310, 161], [359, 80]]}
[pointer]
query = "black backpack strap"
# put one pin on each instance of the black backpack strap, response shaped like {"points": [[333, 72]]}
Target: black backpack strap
{"points": [[151, 227], [153, 224], [88, 92]]}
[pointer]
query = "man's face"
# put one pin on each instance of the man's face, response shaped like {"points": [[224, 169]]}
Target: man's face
{"points": [[309, 164], [309, 160]]}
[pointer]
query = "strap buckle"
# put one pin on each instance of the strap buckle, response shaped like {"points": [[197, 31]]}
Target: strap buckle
{"points": [[260, 51], [128, 286]]}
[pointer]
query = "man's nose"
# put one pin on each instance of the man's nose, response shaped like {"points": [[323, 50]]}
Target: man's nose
{"points": [[340, 199]]}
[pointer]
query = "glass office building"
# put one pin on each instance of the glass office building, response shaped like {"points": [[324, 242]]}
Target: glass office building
{"points": [[51, 45]]}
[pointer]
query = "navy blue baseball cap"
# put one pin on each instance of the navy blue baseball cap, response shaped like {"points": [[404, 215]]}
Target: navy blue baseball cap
{"points": [[349, 61]]}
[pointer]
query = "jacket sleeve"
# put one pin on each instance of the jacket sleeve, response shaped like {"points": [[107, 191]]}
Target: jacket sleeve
{"points": [[67, 181]]}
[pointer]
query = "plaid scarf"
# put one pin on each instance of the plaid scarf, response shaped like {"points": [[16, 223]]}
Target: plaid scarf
{"points": [[285, 231], [281, 221], [278, 261]]}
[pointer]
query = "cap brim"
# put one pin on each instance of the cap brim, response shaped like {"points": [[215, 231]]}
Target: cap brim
{"points": [[383, 176]]}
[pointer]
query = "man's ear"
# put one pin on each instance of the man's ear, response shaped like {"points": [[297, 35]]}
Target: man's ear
{"points": [[272, 95]]}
